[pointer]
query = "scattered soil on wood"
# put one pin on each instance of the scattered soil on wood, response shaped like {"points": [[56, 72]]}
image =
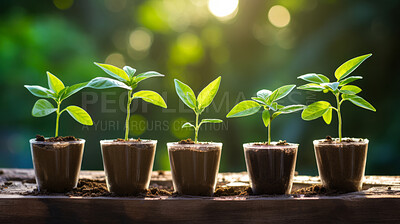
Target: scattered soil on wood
{"points": [[314, 190], [129, 140], [41, 138], [230, 191], [186, 141], [1, 172]]}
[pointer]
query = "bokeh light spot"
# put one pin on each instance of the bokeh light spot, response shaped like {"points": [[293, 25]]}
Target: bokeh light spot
{"points": [[63, 4], [177, 130], [137, 125], [140, 39], [116, 59], [223, 9], [279, 16]]}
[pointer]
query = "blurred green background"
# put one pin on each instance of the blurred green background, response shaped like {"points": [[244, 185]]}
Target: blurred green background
{"points": [[251, 44]]}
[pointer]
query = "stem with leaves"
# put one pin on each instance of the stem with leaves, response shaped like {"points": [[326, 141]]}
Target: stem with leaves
{"points": [[340, 89], [128, 114]]}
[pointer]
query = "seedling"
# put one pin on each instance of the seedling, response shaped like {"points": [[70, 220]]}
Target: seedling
{"points": [[340, 89], [204, 99], [267, 100], [58, 92], [126, 78]]}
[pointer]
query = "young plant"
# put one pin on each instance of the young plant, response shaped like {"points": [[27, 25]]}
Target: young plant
{"points": [[58, 92], [198, 105], [340, 89], [126, 78], [267, 100]]}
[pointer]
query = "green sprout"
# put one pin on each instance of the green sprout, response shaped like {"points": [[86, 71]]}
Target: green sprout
{"points": [[204, 99], [340, 89], [58, 92], [267, 100], [125, 78]]}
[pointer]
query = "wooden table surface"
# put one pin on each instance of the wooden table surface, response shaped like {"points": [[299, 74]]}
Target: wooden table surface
{"points": [[379, 202]]}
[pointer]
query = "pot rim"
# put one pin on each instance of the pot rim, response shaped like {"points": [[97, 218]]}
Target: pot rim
{"points": [[251, 144], [202, 144], [33, 141], [141, 142], [356, 141]]}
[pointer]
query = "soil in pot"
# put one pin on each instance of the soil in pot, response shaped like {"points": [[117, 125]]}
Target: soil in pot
{"points": [[128, 164], [271, 167], [57, 162], [194, 167], [341, 165]]}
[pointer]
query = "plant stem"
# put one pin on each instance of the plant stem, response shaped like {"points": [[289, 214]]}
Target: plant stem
{"points": [[339, 117], [196, 129], [269, 133], [128, 114], [58, 118]]}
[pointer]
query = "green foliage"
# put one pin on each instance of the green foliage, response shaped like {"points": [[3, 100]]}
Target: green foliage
{"points": [[125, 78], [340, 89], [267, 100], [58, 92], [204, 99]]}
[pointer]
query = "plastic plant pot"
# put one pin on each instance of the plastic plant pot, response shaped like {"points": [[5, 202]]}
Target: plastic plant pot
{"points": [[270, 167], [128, 165], [194, 167], [57, 164], [341, 165]]}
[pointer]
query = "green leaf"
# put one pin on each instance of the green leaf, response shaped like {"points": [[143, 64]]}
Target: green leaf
{"points": [[210, 121], [358, 101], [280, 93], [105, 83], [206, 96], [349, 66], [314, 78], [80, 115], [333, 85], [350, 89], [40, 91], [71, 90], [315, 110], [266, 117], [114, 72], [264, 94], [259, 100], [186, 94], [244, 108], [188, 125], [291, 109], [349, 80], [312, 87], [54, 83], [42, 108], [147, 75], [130, 71], [151, 97], [274, 115], [328, 116], [274, 106]]}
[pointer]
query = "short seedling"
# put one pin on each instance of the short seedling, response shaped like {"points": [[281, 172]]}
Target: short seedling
{"points": [[340, 89], [204, 99], [267, 100], [58, 92], [126, 78]]}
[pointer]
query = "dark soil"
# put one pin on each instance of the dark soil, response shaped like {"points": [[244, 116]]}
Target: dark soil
{"points": [[278, 143], [41, 138], [329, 139], [313, 190], [186, 141], [129, 140]]}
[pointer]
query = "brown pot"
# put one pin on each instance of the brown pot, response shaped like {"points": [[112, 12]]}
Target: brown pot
{"points": [[270, 167], [57, 164], [341, 165], [128, 165], [194, 167]]}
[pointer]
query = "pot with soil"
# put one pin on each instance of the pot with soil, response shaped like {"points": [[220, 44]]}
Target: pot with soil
{"points": [[128, 164], [271, 167], [57, 162], [341, 161], [194, 167], [341, 165]]}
